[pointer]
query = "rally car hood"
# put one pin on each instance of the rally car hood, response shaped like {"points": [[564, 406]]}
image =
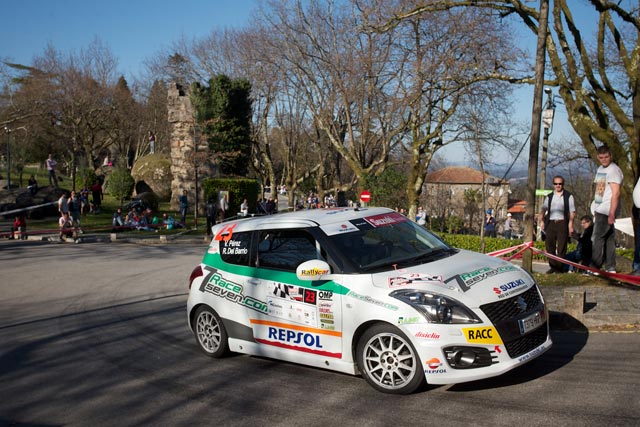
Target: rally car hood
{"points": [[469, 277]]}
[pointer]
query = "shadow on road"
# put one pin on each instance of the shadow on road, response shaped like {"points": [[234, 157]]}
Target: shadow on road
{"points": [[569, 338]]}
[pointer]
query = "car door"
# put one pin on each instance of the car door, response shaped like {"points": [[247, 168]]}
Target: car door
{"points": [[302, 316]]}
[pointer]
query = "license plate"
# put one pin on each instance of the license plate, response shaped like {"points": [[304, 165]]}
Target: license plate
{"points": [[531, 322]]}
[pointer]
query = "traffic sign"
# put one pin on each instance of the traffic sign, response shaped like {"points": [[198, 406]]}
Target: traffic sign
{"points": [[365, 196]]}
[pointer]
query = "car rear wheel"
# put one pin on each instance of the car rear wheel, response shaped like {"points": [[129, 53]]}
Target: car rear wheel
{"points": [[210, 333], [388, 361]]}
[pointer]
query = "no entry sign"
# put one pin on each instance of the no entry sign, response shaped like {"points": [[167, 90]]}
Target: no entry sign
{"points": [[365, 196]]}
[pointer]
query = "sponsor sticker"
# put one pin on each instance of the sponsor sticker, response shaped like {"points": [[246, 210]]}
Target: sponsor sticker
{"points": [[386, 219], [486, 335], [508, 289], [434, 366], [414, 278], [467, 280]]}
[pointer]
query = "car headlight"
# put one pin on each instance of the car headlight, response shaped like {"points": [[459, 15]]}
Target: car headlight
{"points": [[436, 308]]}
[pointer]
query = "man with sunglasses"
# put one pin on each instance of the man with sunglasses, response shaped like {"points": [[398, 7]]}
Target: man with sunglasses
{"points": [[557, 214]]}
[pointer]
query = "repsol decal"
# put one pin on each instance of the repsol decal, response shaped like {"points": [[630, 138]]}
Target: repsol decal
{"points": [[487, 335], [434, 366], [215, 284], [294, 337], [467, 280], [297, 338]]}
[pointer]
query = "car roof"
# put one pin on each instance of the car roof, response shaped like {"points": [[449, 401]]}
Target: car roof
{"points": [[305, 218]]}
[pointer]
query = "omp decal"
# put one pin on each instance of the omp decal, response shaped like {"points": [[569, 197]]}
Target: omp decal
{"points": [[285, 335], [467, 280], [486, 335], [367, 298], [325, 295], [215, 284]]}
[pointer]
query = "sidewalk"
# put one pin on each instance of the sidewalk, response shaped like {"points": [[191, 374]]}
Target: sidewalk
{"points": [[614, 305]]}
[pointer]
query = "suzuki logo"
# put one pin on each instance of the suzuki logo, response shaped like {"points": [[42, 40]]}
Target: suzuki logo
{"points": [[522, 304]]}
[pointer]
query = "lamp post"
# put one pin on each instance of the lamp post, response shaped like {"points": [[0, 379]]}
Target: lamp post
{"points": [[8, 132], [547, 124]]}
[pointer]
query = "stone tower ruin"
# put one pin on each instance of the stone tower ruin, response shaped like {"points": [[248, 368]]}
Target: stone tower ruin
{"points": [[186, 156]]}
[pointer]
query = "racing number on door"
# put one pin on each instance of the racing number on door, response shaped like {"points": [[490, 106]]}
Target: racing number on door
{"points": [[309, 296]]}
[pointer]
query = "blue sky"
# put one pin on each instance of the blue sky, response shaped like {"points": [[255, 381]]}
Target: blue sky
{"points": [[133, 29]]}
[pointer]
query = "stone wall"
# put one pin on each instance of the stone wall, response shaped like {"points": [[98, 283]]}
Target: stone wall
{"points": [[182, 121]]}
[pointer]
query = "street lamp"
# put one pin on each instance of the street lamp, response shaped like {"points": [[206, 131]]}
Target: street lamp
{"points": [[547, 124], [8, 132]]}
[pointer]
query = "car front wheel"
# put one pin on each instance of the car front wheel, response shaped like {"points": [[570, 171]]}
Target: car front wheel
{"points": [[388, 361], [210, 333]]}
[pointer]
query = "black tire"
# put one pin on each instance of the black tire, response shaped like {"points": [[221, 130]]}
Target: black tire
{"points": [[388, 361], [210, 333]]}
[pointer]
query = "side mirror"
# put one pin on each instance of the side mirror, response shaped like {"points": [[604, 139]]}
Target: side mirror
{"points": [[315, 269]]}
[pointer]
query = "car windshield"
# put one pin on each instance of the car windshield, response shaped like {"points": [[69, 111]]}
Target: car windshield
{"points": [[389, 244]]}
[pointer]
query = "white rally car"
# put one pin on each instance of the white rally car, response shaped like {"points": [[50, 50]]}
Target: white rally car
{"points": [[364, 291]]}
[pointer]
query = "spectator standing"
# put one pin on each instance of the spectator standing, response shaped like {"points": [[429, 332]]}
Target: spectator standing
{"points": [[508, 226], [96, 193], [582, 254], [244, 208], [223, 205], [210, 212], [605, 208], [51, 168], [421, 217], [63, 204], [152, 142], [635, 213], [184, 207], [33, 185], [75, 206], [558, 212], [489, 224], [84, 200]]}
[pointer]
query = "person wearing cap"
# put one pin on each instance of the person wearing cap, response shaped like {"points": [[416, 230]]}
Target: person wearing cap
{"points": [[557, 214], [507, 226], [489, 224]]}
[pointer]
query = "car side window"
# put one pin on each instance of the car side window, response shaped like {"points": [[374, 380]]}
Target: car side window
{"points": [[285, 249], [237, 250]]}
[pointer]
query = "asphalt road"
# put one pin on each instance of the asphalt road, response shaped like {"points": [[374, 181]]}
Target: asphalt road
{"points": [[96, 334]]}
